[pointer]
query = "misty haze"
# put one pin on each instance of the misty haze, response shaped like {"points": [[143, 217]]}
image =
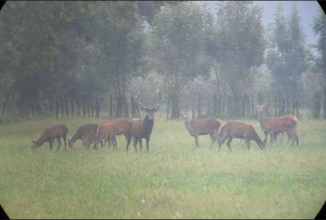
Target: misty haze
{"points": [[157, 109]]}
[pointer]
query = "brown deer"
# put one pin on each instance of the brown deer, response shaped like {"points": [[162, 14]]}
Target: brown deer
{"points": [[106, 131], [121, 124], [205, 126], [277, 125], [86, 133], [57, 131], [140, 128], [239, 130]]}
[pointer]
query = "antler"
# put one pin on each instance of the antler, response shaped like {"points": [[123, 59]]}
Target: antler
{"points": [[158, 105], [138, 102]]}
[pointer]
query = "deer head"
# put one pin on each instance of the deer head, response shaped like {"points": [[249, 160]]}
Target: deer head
{"points": [[149, 111], [260, 108], [185, 113]]}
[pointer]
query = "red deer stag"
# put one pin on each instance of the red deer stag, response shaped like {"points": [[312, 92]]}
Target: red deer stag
{"points": [[205, 126], [108, 132], [140, 128], [86, 133], [239, 130], [274, 126], [50, 134]]}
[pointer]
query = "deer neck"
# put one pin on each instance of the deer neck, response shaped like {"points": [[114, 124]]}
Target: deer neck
{"points": [[261, 119], [41, 140], [74, 138], [187, 120], [147, 125]]}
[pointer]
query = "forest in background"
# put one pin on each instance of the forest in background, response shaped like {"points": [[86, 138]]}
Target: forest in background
{"points": [[90, 59]]}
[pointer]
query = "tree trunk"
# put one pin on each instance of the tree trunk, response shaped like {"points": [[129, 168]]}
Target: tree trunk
{"points": [[88, 108], [61, 106], [297, 106], [208, 104], [275, 106], [132, 107], [175, 106], [84, 107], [111, 107], [67, 106], [324, 103], [199, 105], [92, 107], [119, 106], [4, 107], [57, 108], [193, 108], [51, 107], [126, 108], [78, 106], [97, 107], [168, 108], [72, 107]]}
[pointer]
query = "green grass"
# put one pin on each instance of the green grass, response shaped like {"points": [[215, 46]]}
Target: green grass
{"points": [[173, 181]]}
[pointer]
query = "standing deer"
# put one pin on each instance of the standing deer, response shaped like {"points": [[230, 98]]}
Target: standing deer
{"points": [[205, 126], [86, 133], [140, 128], [239, 130], [108, 132], [121, 124], [50, 134], [276, 125]]}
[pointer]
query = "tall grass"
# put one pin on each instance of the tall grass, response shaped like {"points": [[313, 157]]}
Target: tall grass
{"points": [[174, 180]]}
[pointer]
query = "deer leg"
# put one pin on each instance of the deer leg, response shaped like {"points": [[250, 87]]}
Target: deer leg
{"points": [[114, 141], [135, 144], [212, 138], [108, 140], [103, 142], [220, 142], [247, 143], [141, 145], [65, 141], [128, 142], [196, 141], [228, 143], [281, 137], [51, 142], [59, 143], [147, 145], [291, 135]]}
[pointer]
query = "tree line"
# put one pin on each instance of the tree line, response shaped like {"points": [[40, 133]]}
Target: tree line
{"points": [[89, 59]]}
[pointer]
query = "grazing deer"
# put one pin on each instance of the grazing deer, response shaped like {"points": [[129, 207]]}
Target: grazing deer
{"points": [[239, 130], [108, 132], [274, 126], [86, 133], [140, 128], [121, 124], [52, 133], [205, 126]]}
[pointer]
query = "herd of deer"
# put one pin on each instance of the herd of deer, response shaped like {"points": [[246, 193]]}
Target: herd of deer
{"points": [[139, 128]]}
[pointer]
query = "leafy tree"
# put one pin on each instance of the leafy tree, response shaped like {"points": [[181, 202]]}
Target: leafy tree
{"points": [[241, 46], [177, 44], [320, 30]]}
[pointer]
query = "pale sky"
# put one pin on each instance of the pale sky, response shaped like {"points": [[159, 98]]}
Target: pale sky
{"points": [[308, 11]]}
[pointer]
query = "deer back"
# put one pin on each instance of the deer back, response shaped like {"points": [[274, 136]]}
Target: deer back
{"points": [[204, 126], [121, 124]]}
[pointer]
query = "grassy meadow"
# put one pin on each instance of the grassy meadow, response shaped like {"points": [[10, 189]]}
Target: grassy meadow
{"points": [[174, 180]]}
